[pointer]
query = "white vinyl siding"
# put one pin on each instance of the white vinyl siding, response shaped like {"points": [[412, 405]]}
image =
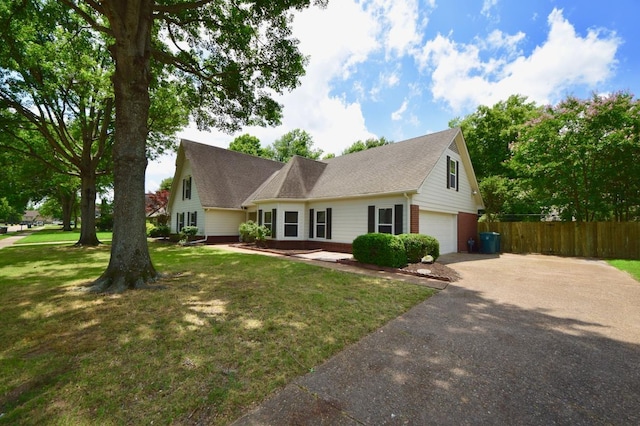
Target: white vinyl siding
{"points": [[435, 196], [443, 227], [349, 217], [187, 206], [279, 220], [223, 223]]}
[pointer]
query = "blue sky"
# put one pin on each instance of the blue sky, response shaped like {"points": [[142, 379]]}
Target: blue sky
{"points": [[405, 68]]}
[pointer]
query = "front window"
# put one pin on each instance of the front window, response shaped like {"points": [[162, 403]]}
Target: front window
{"points": [[452, 173], [267, 220], [290, 224], [385, 221], [321, 224], [186, 188]]}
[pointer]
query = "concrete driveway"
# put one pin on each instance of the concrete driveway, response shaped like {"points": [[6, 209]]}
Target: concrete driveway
{"points": [[521, 339]]}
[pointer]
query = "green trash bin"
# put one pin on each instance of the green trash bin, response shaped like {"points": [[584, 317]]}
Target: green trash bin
{"points": [[489, 242]]}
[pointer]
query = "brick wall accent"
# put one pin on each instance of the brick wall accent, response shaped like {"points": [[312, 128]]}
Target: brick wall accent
{"points": [[414, 219], [220, 239], [467, 228], [309, 245]]}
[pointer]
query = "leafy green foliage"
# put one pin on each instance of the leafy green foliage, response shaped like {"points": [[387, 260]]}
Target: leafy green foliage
{"points": [[582, 157], [490, 131], [251, 232], [418, 246], [296, 142], [368, 144], [158, 231], [189, 231], [380, 249], [247, 144]]}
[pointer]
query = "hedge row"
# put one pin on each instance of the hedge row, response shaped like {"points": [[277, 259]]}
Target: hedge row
{"points": [[394, 250]]}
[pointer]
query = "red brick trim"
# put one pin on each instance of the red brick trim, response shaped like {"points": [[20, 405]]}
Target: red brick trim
{"points": [[467, 228]]}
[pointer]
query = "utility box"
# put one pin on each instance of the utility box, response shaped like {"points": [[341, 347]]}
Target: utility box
{"points": [[489, 242]]}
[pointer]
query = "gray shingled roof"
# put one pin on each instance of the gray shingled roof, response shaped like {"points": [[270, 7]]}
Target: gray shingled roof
{"points": [[295, 180], [229, 179], [226, 178], [394, 168]]}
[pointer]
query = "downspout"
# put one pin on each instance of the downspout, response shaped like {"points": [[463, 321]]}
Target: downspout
{"points": [[408, 214]]}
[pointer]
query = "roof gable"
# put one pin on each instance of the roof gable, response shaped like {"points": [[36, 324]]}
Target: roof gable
{"points": [[394, 168], [225, 178], [295, 180]]}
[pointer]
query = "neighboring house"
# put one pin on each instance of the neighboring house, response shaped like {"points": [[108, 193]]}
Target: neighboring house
{"points": [[422, 185], [31, 217]]}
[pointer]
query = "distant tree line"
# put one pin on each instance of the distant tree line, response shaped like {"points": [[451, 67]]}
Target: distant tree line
{"points": [[296, 142], [577, 160]]}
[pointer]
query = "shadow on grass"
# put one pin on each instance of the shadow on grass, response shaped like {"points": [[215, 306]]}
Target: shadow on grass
{"points": [[226, 331], [462, 358]]}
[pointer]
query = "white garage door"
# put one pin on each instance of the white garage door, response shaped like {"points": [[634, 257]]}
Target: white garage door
{"points": [[443, 227]]}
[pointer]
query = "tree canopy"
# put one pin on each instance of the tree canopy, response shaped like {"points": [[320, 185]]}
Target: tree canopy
{"points": [[295, 142], [247, 144], [582, 157], [368, 144], [578, 159], [229, 59]]}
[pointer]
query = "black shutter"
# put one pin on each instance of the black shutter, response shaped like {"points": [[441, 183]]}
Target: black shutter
{"points": [[195, 218], [188, 219], [448, 172], [177, 222], [184, 184], [259, 217], [398, 219], [274, 220], [328, 224], [371, 225], [457, 176], [311, 223]]}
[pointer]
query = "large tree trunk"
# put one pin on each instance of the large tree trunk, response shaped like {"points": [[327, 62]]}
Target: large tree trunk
{"points": [[67, 202], [130, 265], [88, 235]]}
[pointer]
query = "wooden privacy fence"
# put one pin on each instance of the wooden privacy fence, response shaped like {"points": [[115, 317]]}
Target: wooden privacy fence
{"points": [[618, 240]]}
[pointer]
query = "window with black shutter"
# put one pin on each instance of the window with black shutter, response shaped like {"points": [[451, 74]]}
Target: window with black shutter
{"points": [[290, 224], [385, 221], [321, 224]]}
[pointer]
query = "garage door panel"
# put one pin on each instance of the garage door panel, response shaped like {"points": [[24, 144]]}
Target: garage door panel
{"points": [[441, 226]]}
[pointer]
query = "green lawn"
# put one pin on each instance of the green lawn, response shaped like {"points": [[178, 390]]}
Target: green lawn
{"points": [[630, 266], [220, 332], [48, 235]]}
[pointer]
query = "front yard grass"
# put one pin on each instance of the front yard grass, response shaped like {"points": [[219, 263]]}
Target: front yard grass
{"points": [[630, 266], [49, 235], [219, 334]]}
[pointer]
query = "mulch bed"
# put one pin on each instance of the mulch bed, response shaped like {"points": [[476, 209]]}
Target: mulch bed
{"points": [[437, 271]]}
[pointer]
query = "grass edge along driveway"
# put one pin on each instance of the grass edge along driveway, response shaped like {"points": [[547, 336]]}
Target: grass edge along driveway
{"points": [[219, 334]]}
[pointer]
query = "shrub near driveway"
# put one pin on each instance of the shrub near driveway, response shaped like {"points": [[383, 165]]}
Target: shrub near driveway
{"points": [[380, 249], [221, 332]]}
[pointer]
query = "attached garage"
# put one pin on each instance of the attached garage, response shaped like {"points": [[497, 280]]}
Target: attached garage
{"points": [[442, 226]]}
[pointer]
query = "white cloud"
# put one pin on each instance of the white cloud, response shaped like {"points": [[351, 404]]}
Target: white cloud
{"points": [[337, 39], [461, 79], [402, 28], [397, 115], [487, 5]]}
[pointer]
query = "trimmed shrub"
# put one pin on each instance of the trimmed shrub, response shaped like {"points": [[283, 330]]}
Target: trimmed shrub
{"points": [[418, 246], [104, 223], [159, 231], [187, 232], [251, 232], [380, 249]]}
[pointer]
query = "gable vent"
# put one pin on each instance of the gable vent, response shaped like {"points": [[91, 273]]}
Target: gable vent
{"points": [[453, 147]]}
